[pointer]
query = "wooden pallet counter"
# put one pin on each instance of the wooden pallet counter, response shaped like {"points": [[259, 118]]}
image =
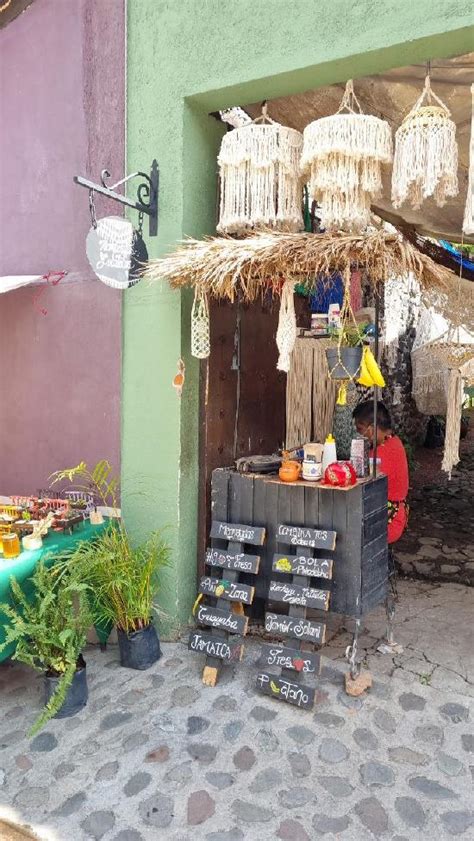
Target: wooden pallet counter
{"points": [[358, 515]]}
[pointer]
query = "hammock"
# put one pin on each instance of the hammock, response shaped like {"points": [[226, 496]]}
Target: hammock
{"points": [[443, 366], [310, 393]]}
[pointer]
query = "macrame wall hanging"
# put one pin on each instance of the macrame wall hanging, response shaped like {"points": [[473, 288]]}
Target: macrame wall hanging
{"points": [[342, 159], [426, 153], [260, 182], [200, 326], [286, 331], [468, 223]]}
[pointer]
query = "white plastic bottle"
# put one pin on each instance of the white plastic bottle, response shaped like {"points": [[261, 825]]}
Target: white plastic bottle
{"points": [[329, 452]]}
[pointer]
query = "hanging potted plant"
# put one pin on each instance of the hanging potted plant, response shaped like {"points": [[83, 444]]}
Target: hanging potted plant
{"points": [[50, 632], [124, 581], [344, 359]]}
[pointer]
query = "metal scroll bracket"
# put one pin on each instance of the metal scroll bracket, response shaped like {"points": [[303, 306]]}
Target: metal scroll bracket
{"points": [[147, 192]]}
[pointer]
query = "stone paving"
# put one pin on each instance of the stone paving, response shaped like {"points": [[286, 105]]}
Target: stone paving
{"points": [[156, 755], [438, 544]]}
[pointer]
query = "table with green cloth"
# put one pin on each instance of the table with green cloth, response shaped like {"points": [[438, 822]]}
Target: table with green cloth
{"points": [[23, 567]]}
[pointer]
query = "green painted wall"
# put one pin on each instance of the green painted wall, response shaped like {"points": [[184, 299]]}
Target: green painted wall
{"points": [[186, 59]]}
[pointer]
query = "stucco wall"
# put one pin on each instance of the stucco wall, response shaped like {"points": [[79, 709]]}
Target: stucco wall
{"points": [[185, 60], [61, 114]]}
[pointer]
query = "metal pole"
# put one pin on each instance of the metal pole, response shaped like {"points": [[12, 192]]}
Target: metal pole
{"points": [[376, 390]]}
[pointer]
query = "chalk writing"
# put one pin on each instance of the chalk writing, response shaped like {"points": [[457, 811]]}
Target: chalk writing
{"points": [[215, 647], [302, 536], [239, 562], [217, 618], [223, 589], [300, 565], [239, 533], [301, 629], [283, 591], [284, 657], [285, 690]]}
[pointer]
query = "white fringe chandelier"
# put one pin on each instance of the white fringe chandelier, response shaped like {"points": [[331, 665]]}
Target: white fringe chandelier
{"points": [[260, 182], [426, 154], [342, 159]]}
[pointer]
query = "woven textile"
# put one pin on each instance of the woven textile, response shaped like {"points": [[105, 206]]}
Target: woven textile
{"points": [[200, 327], [310, 393], [342, 159], [468, 223], [260, 179], [286, 332], [425, 162]]}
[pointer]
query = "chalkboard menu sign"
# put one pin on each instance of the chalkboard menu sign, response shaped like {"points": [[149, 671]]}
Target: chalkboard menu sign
{"points": [[286, 690], [296, 590], [238, 533], [302, 536], [224, 587]]}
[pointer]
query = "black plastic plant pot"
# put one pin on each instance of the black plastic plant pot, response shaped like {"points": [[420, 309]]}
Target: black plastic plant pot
{"points": [[77, 694], [140, 649], [350, 357]]}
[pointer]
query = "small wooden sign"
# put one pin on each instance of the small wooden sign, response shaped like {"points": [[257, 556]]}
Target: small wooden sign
{"points": [[284, 657], [238, 533], [240, 561], [301, 565], [286, 690], [289, 593], [302, 536], [300, 629], [234, 623], [225, 649], [229, 590]]}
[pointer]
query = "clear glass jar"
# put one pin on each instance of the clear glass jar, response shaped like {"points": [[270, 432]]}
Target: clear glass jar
{"points": [[11, 545]]}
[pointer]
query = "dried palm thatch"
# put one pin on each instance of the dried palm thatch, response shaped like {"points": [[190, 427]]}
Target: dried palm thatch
{"points": [[226, 268]]}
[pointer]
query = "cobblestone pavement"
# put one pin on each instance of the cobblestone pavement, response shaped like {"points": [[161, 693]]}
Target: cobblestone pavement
{"points": [[156, 755], [438, 544]]}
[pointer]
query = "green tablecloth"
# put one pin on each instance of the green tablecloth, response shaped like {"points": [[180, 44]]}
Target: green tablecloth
{"points": [[24, 565]]}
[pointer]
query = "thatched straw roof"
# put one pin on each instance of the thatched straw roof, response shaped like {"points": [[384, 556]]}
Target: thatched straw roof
{"points": [[225, 267]]}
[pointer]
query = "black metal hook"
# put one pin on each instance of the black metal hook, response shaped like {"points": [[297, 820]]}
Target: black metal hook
{"points": [[147, 192]]}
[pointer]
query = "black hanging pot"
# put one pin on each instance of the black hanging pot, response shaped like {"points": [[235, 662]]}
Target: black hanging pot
{"points": [[140, 649], [77, 694], [344, 362]]}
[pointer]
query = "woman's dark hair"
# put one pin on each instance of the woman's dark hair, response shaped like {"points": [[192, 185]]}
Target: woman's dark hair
{"points": [[364, 413]]}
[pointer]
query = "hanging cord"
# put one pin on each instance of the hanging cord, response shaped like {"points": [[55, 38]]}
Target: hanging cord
{"points": [[92, 209], [349, 101], [347, 313], [429, 93], [264, 116]]}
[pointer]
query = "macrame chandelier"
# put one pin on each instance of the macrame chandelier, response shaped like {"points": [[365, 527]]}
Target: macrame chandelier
{"points": [[260, 182], [426, 154], [342, 159], [468, 223]]}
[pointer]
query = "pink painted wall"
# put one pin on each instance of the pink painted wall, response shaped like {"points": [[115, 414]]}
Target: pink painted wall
{"points": [[61, 114]]}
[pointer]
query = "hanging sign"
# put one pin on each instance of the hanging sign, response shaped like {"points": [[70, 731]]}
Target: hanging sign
{"points": [[116, 251]]}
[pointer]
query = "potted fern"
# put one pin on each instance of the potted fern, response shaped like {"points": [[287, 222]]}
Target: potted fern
{"points": [[123, 578], [50, 632], [124, 581]]}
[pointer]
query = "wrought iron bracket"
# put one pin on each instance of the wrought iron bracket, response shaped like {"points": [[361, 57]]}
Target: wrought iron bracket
{"points": [[147, 192]]}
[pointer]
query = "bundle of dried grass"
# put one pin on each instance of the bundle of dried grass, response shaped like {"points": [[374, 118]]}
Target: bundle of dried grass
{"points": [[251, 267]]}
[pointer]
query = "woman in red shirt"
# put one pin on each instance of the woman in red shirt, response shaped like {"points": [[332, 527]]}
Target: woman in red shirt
{"points": [[393, 462]]}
